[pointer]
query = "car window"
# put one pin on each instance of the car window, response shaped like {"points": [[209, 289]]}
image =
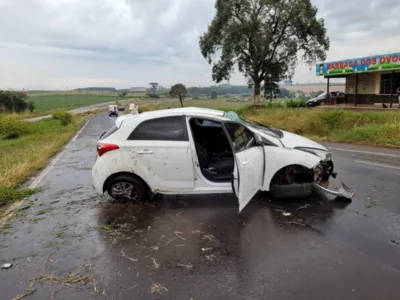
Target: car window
{"points": [[241, 136], [161, 129], [109, 132]]}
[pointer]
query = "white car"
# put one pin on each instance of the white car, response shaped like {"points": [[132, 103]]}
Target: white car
{"points": [[205, 151]]}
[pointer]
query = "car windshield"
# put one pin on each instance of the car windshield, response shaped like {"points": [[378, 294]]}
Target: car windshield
{"points": [[252, 124], [323, 95]]}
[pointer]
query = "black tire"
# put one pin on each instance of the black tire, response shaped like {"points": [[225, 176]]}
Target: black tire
{"points": [[140, 192], [291, 191]]}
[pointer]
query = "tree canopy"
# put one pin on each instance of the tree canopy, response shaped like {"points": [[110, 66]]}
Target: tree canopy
{"points": [[264, 39], [11, 101], [179, 91]]}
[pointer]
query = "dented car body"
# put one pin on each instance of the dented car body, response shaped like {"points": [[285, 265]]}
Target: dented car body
{"points": [[204, 151]]}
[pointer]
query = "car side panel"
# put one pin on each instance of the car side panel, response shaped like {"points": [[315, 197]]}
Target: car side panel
{"points": [[165, 165], [277, 158]]}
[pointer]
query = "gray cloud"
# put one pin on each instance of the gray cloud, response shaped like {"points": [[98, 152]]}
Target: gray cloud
{"points": [[50, 44]]}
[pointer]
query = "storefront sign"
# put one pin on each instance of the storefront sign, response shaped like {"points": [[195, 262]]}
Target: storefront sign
{"points": [[385, 62]]}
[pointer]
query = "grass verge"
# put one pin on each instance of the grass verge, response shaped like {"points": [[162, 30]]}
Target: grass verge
{"points": [[333, 125], [369, 128], [26, 148]]}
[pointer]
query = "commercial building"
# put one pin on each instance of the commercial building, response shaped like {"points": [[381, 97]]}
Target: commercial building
{"points": [[369, 80]]}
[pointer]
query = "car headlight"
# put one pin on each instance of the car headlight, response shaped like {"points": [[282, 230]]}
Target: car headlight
{"points": [[324, 155]]}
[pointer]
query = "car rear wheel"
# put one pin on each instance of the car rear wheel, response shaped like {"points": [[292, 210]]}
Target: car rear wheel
{"points": [[127, 188]]}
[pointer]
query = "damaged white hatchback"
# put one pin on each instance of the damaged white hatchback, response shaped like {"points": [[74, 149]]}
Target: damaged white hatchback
{"points": [[205, 151]]}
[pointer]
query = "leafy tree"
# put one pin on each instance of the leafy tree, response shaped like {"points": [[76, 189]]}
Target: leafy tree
{"points": [[179, 91], [154, 86], [271, 89], [13, 101], [285, 93], [214, 95], [263, 38], [123, 94], [31, 106]]}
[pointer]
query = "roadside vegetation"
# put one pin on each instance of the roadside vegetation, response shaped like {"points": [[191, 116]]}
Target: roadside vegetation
{"points": [[50, 102], [369, 127], [26, 148]]}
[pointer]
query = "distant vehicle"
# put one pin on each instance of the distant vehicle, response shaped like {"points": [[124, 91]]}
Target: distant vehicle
{"points": [[323, 97], [113, 110], [204, 151]]}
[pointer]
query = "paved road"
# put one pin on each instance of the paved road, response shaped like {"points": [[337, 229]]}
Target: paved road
{"points": [[68, 243], [101, 105]]}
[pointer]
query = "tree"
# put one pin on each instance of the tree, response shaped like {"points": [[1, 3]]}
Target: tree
{"points": [[179, 91], [263, 38], [214, 95], [31, 106], [271, 89], [153, 88], [123, 94]]}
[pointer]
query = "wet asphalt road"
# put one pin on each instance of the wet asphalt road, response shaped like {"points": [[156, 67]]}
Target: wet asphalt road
{"points": [[68, 243]]}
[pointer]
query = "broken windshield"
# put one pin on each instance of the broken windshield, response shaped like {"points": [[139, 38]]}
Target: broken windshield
{"points": [[252, 124]]}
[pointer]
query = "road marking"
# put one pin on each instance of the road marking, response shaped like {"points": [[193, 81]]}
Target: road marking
{"points": [[40, 177], [376, 164], [366, 152], [13, 208]]}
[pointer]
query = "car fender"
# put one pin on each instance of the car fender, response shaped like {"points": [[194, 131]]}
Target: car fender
{"points": [[276, 158], [103, 170]]}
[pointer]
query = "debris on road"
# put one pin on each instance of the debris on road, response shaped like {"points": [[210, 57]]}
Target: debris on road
{"points": [[130, 258], [305, 206], [206, 249], [155, 264], [7, 266], [157, 288], [185, 266]]}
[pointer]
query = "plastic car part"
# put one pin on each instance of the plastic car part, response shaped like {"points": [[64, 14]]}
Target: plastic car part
{"points": [[343, 191]]}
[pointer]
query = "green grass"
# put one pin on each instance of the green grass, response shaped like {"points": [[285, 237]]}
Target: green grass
{"points": [[49, 102], [9, 195], [369, 128], [218, 103], [29, 150]]}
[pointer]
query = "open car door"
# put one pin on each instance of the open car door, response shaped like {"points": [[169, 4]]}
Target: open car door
{"points": [[248, 174]]}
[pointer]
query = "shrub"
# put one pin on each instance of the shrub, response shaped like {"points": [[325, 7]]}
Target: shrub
{"points": [[11, 128], [333, 119], [296, 103], [64, 117]]}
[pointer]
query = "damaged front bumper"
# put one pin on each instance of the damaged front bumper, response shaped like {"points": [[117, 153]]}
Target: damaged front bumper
{"points": [[342, 192], [322, 174]]}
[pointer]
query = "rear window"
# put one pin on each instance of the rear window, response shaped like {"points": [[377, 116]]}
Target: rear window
{"points": [[162, 129], [109, 132]]}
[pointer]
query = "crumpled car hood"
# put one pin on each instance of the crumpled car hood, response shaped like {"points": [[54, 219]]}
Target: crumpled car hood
{"points": [[292, 140]]}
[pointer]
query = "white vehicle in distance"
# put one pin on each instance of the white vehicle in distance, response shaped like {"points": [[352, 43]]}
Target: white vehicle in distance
{"points": [[113, 110], [205, 151]]}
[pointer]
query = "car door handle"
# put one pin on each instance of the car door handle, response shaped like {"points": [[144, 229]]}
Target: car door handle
{"points": [[145, 151], [245, 163]]}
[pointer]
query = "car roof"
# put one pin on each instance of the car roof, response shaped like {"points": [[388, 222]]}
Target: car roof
{"points": [[188, 111]]}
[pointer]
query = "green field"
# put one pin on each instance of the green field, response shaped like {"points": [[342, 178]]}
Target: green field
{"points": [[50, 102], [207, 103], [369, 127]]}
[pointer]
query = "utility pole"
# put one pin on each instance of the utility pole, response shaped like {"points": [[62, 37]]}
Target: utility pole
{"points": [[65, 96]]}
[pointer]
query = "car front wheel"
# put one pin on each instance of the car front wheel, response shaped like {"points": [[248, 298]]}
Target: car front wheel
{"points": [[127, 188]]}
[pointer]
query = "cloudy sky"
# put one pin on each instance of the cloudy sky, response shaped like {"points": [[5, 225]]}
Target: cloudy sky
{"points": [[52, 44]]}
